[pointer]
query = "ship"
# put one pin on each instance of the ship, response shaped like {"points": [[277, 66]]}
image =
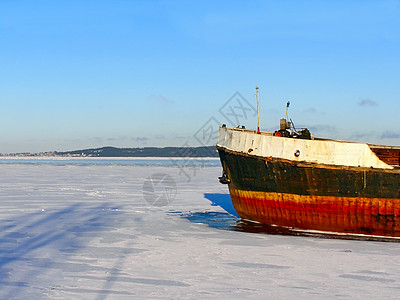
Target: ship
{"points": [[292, 179]]}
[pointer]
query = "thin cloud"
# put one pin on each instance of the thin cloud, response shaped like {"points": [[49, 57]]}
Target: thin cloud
{"points": [[140, 139], [390, 135], [183, 137], [159, 98], [102, 140], [359, 135], [367, 102], [320, 130], [96, 139], [310, 110]]}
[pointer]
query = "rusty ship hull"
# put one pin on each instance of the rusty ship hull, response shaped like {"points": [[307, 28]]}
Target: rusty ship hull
{"points": [[351, 192]]}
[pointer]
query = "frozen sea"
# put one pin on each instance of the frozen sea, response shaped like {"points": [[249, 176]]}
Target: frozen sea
{"points": [[164, 229]]}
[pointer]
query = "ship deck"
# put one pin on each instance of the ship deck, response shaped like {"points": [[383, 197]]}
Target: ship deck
{"points": [[388, 154]]}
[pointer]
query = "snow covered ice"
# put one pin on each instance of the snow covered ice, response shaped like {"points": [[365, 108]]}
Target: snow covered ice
{"points": [[86, 231]]}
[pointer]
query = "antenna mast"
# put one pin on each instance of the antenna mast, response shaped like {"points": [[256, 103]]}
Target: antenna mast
{"points": [[258, 114], [287, 107]]}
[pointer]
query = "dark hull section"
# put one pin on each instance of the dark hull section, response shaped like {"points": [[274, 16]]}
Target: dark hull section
{"points": [[314, 197]]}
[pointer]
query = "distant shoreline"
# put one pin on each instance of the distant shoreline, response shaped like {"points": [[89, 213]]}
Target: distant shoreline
{"points": [[119, 153], [103, 158]]}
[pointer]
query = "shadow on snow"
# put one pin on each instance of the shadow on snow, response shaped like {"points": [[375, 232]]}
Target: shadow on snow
{"points": [[30, 242]]}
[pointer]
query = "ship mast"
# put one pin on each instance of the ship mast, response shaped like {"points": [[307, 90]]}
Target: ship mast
{"points": [[258, 114]]}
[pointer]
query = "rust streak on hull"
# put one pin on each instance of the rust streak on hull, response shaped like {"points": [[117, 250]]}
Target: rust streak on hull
{"points": [[324, 213]]}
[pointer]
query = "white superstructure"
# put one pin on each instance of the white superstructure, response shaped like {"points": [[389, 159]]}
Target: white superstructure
{"points": [[328, 152]]}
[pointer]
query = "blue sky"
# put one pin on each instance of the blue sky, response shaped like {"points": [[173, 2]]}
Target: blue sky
{"points": [[82, 74]]}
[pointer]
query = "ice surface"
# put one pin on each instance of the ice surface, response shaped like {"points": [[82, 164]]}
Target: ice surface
{"points": [[73, 231]]}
